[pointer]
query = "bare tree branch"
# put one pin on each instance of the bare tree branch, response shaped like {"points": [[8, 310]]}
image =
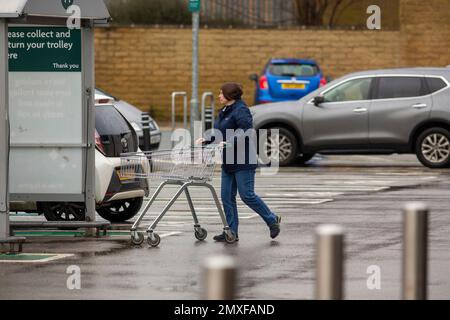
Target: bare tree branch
{"points": [[333, 12]]}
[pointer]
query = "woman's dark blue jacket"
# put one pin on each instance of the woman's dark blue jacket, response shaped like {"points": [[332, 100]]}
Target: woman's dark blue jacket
{"points": [[240, 151]]}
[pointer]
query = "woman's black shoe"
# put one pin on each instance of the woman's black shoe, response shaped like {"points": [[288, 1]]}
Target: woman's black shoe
{"points": [[275, 228], [221, 237]]}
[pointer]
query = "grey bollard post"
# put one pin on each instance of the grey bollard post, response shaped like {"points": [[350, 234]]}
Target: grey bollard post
{"points": [[183, 94], [207, 113], [145, 121], [220, 278], [415, 256], [329, 262]]}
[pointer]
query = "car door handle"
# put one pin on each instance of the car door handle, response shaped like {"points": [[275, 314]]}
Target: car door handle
{"points": [[419, 105], [360, 110]]}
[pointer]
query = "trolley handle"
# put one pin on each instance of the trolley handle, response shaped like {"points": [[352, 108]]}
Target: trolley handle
{"points": [[210, 145]]}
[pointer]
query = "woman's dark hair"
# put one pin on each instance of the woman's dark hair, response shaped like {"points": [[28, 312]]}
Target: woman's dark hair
{"points": [[232, 91]]}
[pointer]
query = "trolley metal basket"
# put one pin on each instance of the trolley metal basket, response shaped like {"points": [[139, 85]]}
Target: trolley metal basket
{"points": [[184, 167]]}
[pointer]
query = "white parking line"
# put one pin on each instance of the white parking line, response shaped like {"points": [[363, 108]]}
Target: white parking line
{"points": [[55, 256], [300, 196], [168, 234]]}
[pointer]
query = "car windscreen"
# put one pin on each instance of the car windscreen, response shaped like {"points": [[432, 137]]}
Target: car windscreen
{"points": [[108, 121], [293, 69]]}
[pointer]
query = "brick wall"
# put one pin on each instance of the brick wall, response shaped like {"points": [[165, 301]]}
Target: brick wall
{"points": [[143, 65], [425, 32]]}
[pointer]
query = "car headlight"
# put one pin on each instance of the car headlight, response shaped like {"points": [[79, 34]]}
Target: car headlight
{"points": [[136, 127], [152, 125]]}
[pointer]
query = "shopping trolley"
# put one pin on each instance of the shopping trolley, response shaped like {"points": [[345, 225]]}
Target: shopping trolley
{"points": [[186, 167]]}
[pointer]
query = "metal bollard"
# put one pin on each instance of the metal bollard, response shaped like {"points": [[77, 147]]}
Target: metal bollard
{"points": [[207, 112], [415, 256], [146, 130], [329, 262], [174, 96], [220, 278]]}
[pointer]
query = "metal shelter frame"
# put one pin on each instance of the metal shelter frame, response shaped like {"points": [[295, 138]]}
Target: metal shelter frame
{"points": [[49, 13]]}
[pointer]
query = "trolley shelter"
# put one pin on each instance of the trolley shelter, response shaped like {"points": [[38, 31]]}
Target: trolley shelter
{"points": [[47, 102]]}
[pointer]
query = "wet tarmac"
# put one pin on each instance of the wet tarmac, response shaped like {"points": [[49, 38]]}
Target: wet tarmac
{"points": [[364, 194]]}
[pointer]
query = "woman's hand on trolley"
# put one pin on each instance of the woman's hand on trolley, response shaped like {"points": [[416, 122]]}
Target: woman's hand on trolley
{"points": [[203, 141], [200, 141]]}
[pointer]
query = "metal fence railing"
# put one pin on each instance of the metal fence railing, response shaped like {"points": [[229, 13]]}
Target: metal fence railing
{"points": [[249, 12]]}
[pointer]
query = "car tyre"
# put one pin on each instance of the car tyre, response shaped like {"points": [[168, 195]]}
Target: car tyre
{"points": [[433, 148], [120, 210], [288, 145], [63, 211]]}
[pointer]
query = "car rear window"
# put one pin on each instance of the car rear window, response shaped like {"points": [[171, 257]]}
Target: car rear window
{"points": [[116, 134], [400, 87], [293, 69], [108, 121], [435, 84]]}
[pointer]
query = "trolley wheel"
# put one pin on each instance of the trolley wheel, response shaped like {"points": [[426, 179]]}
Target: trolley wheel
{"points": [[154, 243], [201, 234], [137, 238], [230, 238]]}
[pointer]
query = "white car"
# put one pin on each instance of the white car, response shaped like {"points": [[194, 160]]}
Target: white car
{"points": [[118, 199]]}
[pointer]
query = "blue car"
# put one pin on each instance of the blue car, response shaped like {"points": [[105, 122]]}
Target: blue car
{"points": [[287, 79]]}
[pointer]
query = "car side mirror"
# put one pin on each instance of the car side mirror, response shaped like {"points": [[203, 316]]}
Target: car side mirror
{"points": [[253, 77], [318, 100]]}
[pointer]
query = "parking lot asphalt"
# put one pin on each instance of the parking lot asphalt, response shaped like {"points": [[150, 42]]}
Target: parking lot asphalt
{"points": [[364, 194]]}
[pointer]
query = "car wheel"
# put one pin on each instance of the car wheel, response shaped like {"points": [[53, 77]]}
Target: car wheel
{"points": [[285, 145], [120, 210], [63, 211], [433, 148]]}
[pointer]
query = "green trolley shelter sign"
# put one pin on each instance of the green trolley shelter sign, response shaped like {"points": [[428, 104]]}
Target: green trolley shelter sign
{"points": [[44, 49], [46, 109], [66, 3], [194, 5]]}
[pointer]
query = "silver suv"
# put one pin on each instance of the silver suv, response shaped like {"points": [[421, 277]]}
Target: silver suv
{"points": [[379, 111]]}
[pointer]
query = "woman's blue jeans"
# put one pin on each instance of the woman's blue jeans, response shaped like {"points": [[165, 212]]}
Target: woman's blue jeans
{"points": [[244, 182]]}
